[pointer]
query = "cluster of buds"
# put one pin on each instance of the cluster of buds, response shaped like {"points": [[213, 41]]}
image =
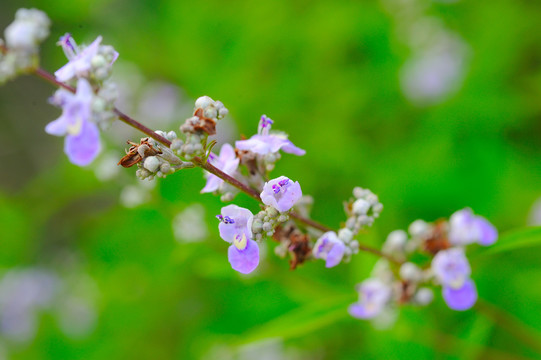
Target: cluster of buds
{"points": [[362, 210], [19, 52], [198, 128], [266, 221], [412, 283], [152, 158]]}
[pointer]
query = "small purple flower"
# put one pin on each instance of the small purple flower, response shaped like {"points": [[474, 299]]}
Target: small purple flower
{"points": [[227, 162], [451, 267], [467, 228], [281, 193], [462, 298], [236, 228], [80, 62], [373, 296], [264, 143], [82, 142], [329, 248]]}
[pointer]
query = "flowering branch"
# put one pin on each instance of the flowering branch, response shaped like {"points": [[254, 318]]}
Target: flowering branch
{"points": [[87, 96], [196, 160], [206, 165]]}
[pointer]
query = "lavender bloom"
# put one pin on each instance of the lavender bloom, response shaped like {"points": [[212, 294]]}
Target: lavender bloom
{"points": [[80, 61], [329, 248], [462, 298], [281, 193], [264, 143], [451, 267], [227, 162], [236, 228], [373, 296], [466, 228], [82, 143]]}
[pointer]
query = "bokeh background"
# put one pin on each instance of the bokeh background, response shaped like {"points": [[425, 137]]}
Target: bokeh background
{"points": [[433, 105]]}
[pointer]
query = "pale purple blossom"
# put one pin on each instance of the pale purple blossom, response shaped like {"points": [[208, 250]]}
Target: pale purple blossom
{"points": [[236, 228], [374, 295], [227, 162], [329, 248], [281, 193], [462, 298], [82, 142], [451, 267], [467, 228], [264, 143], [80, 61]]}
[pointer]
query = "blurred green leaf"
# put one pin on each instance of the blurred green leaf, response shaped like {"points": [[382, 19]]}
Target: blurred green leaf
{"points": [[514, 240], [301, 321]]}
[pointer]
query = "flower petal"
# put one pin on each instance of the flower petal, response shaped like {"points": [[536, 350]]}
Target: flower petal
{"points": [[361, 311], [57, 127], [461, 299], [213, 183], [244, 261], [65, 73], [292, 149], [227, 153], [284, 198], [255, 144], [83, 148], [243, 223], [335, 254], [487, 232]]}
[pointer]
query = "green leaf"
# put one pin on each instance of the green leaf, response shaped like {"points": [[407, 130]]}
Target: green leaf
{"points": [[300, 321], [514, 240]]}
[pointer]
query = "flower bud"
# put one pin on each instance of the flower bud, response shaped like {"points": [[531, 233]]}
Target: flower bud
{"points": [[361, 207], [345, 234], [418, 228], [152, 163], [411, 272], [423, 296], [203, 102]]}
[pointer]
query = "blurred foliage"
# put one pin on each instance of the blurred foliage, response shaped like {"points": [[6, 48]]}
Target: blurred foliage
{"points": [[328, 73]]}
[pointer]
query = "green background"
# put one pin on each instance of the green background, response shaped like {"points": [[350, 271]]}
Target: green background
{"points": [[328, 73]]}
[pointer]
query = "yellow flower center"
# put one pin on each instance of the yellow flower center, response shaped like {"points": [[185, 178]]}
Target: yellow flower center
{"points": [[75, 129], [240, 242]]}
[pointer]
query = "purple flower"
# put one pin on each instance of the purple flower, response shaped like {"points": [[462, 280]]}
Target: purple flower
{"points": [[466, 228], [281, 193], [80, 62], [373, 296], [227, 162], [236, 228], [82, 142], [451, 267], [264, 143], [462, 298], [329, 248]]}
